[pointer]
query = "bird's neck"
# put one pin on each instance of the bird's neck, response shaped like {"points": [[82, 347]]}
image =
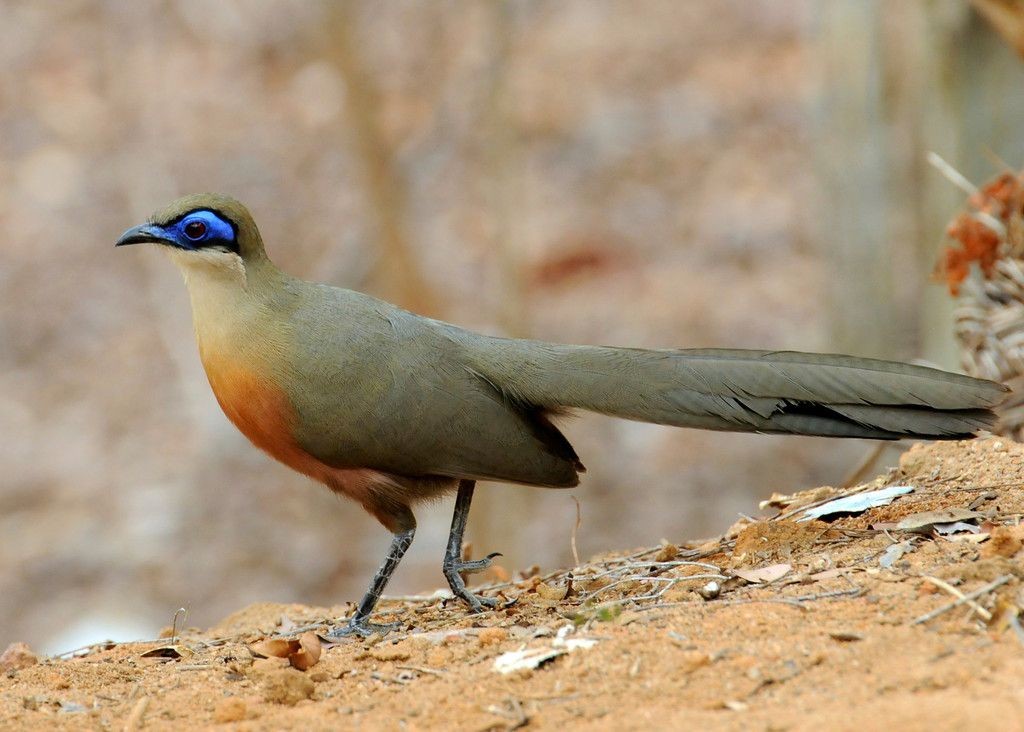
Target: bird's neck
{"points": [[229, 300]]}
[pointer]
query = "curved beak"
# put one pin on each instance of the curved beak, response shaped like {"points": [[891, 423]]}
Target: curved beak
{"points": [[142, 235]]}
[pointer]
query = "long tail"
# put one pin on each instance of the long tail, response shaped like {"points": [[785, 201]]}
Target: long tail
{"points": [[747, 391]]}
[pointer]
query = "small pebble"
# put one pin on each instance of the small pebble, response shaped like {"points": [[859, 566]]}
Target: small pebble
{"points": [[710, 591]]}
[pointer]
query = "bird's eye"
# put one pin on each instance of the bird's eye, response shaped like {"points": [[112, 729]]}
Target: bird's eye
{"points": [[195, 230]]}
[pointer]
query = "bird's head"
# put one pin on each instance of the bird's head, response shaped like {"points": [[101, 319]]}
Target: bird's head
{"points": [[207, 231]]}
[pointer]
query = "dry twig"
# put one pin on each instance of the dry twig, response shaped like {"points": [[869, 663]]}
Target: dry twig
{"points": [[964, 599], [943, 585]]}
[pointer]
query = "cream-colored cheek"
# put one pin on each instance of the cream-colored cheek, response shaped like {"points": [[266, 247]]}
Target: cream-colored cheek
{"points": [[208, 265]]}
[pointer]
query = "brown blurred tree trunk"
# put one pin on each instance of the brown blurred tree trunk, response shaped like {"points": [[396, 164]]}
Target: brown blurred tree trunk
{"points": [[397, 271], [500, 513], [852, 164], [900, 80]]}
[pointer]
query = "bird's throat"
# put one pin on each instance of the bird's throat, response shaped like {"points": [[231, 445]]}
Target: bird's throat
{"points": [[222, 302]]}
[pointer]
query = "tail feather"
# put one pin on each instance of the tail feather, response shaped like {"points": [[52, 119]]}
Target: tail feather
{"points": [[750, 391]]}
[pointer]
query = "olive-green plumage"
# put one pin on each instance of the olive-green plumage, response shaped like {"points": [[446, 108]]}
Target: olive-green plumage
{"points": [[410, 405]]}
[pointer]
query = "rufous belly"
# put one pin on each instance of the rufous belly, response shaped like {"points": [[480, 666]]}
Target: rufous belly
{"points": [[263, 413]]}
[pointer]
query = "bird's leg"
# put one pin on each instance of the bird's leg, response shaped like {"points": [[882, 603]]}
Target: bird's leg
{"points": [[359, 624], [453, 564]]}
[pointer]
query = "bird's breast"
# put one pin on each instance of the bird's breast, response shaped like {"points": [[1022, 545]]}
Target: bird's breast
{"points": [[260, 409]]}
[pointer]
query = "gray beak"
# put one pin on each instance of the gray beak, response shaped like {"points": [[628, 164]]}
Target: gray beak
{"points": [[144, 234]]}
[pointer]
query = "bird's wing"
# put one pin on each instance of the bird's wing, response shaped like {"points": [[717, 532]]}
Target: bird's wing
{"points": [[376, 387]]}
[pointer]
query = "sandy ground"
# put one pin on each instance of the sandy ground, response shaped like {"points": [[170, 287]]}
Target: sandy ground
{"points": [[824, 630]]}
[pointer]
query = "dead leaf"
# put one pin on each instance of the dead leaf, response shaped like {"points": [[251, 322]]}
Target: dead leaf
{"points": [[783, 501], [924, 521], [506, 663], [973, 505], [763, 575], [302, 652], [894, 553], [168, 653], [968, 538], [979, 242], [956, 528], [775, 500], [274, 647], [857, 503], [308, 653], [531, 658]]}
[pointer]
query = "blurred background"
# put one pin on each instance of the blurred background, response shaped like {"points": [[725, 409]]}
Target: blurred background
{"points": [[740, 173]]}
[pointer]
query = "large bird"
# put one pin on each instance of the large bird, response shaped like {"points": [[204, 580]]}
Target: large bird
{"points": [[390, 408]]}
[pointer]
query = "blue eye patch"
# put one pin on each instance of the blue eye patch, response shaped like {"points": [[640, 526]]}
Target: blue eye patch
{"points": [[203, 228]]}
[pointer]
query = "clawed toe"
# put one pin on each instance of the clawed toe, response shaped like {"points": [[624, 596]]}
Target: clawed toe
{"points": [[472, 566], [360, 628], [453, 573], [476, 603]]}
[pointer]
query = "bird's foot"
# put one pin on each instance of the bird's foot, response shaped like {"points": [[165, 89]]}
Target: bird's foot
{"points": [[360, 628], [473, 566], [477, 603], [453, 571]]}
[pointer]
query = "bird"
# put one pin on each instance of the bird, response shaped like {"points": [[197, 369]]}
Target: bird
{"points": [[390, 408]]}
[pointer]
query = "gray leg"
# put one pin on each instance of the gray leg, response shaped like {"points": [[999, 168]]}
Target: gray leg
{"points": [[453, 564], [358, 623]]}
